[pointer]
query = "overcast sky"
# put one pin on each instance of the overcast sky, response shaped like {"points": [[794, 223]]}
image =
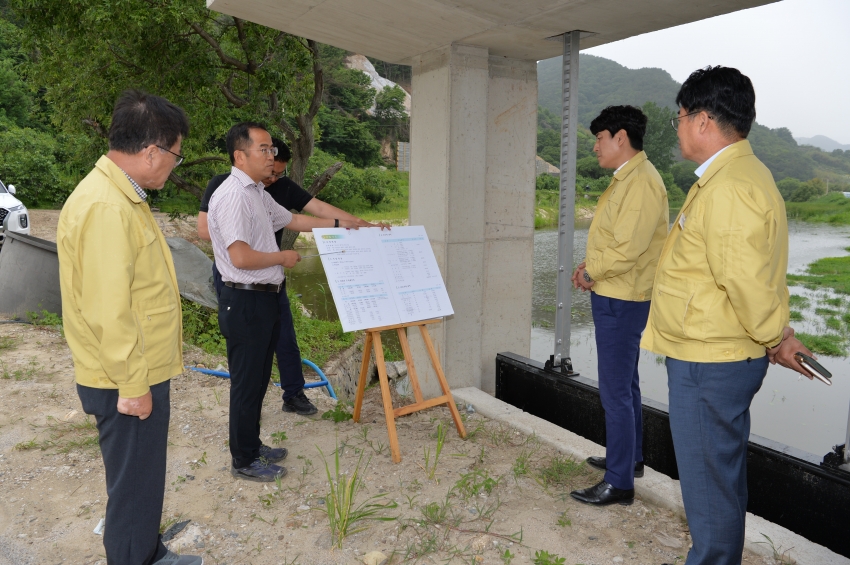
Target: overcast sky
{"points": [[797, 53]]}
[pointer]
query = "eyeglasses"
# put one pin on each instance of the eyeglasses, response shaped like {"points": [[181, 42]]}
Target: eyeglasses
{"points": [[264, 150], [674, 122], [179, 156]]}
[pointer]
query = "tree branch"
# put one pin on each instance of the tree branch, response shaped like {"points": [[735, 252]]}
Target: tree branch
{"points": [[223, 57], [227, 90], [186, 185], [318, 80], [324, 179], [243, 40], [96, 126]]}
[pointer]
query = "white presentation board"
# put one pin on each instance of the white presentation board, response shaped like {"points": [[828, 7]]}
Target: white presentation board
{"points": [[382, 277]]}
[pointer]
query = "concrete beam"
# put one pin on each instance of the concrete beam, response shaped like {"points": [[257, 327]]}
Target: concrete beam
{"points": [[398, 30]]}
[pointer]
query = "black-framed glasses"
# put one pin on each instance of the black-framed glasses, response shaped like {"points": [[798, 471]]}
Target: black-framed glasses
{"points": [[674, 122], [178, 155], [264, 150]]}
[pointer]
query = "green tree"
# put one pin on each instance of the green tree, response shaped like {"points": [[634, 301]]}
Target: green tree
{"points": [[348, 138], [589, 167], [660, 140], [218, 68], [788, 186], [683, 174]]}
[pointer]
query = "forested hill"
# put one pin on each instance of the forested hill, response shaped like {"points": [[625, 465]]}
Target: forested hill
{"points": [[603, 82]]}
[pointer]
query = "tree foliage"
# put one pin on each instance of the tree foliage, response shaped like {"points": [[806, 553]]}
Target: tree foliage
{"points": [[660, 141], [219, 69]]}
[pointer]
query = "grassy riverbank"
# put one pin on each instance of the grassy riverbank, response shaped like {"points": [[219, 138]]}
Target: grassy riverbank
{"points": [[833, 208]]}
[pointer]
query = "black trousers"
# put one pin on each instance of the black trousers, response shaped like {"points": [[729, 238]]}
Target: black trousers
{"points": [[134, 454], [250, 323], [288, 355]]}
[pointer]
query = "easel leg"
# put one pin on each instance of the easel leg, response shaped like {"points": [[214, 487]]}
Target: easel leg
{"points": [[361, 382], [411, 370], [444, 385], [388, 401]]}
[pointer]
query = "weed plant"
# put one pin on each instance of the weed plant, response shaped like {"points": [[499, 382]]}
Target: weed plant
{"points": [[338, 413], [44, 319], [546, 558], [7, 342], [562, 471], [66, 436], [441, 438], [345, 516]]}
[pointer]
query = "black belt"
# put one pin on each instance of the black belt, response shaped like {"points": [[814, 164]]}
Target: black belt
{"points": [[262, 287]]}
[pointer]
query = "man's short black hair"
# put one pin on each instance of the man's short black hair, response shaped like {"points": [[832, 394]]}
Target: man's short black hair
{"points": [[283, 152], [725, 93], [140, 119], [614, 118], [239, 137]]}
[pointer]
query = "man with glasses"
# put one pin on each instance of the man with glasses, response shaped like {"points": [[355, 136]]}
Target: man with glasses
{"points": [[242, 220], [288, 194], [121, 316], [720, 307]]}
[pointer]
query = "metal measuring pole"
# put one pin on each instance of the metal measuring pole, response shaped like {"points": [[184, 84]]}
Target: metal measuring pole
{"points": [[560, 361]]}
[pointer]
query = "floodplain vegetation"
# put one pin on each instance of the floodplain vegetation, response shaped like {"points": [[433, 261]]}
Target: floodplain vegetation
{"points": [[820, 305]]}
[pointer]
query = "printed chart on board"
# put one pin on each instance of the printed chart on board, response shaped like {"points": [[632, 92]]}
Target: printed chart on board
{"points": [[379, 278]]}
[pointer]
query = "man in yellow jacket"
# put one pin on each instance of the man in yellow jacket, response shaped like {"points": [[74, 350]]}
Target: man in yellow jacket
{"points": [[720, 307], [623, 245], [122, 319]]}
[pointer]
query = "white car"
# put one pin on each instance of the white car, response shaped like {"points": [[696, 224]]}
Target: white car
{"points": [[13, 214]]}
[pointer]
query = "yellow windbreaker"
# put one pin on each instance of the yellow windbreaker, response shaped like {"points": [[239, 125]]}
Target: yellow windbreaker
{"points": [[627, 232], [720, 292], [120, 303]]}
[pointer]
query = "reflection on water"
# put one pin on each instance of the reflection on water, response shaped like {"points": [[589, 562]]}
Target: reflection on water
{"points": [[798, 412], [806, 415]]}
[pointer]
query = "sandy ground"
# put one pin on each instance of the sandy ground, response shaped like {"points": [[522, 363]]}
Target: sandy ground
{"points": [[496, 497]]}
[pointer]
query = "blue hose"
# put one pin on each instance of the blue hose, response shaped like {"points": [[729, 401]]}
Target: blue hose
{"points": [[323, 382]]}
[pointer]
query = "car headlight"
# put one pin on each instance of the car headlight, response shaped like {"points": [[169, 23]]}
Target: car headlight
{"points": [[23, 220], [16, 208]]}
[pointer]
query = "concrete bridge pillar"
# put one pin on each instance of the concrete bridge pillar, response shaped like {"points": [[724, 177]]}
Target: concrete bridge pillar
{"points": [[473, 143]]}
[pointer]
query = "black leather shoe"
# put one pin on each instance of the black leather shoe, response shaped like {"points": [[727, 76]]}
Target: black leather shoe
{"points": [[599, 463], [604, 494]]}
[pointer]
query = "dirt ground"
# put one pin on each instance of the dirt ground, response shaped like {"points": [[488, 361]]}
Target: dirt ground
{"points": [[496, 497], [497, 491]]}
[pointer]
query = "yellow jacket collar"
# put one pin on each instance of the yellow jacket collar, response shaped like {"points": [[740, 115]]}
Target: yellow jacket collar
{"points": [[738, 149], [630, 165], [118, 178]]}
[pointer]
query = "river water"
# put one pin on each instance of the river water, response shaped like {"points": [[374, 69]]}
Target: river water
{"points": [[804, 414]]}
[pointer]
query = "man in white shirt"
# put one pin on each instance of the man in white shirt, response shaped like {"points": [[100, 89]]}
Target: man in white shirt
{"points": [[242, 220]]}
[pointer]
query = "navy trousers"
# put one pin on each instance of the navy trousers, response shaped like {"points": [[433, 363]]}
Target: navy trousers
{"points": [[134, 453], [619, 324], [286, 349], [249, 322], [710, 421]]}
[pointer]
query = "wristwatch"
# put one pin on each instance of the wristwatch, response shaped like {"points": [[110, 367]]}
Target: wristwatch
{"points": [[336, 223], [587, 277]]}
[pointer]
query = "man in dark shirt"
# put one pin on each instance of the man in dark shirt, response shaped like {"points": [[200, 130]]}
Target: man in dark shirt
{"points": [[288, 194]]}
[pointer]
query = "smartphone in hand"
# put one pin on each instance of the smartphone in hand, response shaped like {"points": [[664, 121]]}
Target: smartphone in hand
{"points": [[816, 369]]}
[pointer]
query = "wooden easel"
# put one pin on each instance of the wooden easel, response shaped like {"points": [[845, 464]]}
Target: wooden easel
{"points": [[373, 338]]}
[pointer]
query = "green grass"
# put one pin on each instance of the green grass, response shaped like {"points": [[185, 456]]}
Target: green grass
{"points": [[392, 208], [796, 316], [832, 272], [548, 201], [833, 208], [318, 340], [828, 344], [797, 301]]}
